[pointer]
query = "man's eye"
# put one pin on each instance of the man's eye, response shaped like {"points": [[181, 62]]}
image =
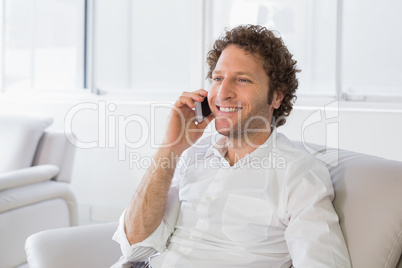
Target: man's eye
{"points": [[217, 79], [244, 80]]}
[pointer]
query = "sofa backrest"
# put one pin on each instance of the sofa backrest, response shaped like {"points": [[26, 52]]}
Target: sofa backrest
{"points": [[368, 200], [19, 137], [56, 149]]}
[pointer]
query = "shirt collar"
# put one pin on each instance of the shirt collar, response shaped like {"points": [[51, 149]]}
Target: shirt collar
{"points": [[219, 148]]}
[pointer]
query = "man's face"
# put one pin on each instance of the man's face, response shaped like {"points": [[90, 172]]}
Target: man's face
{"points": [[238, 96]]}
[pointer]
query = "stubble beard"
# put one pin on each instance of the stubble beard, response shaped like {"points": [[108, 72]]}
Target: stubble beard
{"points": [[248, 128]]}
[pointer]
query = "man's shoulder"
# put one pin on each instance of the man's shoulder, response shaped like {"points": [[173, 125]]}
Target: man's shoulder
{"points": [[299, 162], [293, 152]]}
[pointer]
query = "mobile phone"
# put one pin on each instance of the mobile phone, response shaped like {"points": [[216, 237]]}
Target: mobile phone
{"points": [[202, 110]]}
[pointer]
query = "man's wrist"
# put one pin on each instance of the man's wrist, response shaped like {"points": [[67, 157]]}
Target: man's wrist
{"points": [[176, 149], [167, 157]]}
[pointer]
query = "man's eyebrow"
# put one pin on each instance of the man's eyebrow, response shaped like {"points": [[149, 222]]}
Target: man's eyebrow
{"points": [[238, 73], [246, 73], [216, 72]]}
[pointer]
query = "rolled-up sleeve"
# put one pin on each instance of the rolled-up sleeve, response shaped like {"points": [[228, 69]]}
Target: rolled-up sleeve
{"points": [[156, 242], [313, 234]]}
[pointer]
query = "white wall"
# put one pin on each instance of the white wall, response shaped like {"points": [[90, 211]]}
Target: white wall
{"points": [[104, 183]]}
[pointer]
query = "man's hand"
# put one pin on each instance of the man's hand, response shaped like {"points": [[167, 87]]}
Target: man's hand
{"points": [[182, 129]]}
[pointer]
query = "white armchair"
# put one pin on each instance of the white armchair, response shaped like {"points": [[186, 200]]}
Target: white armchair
{"points": [[368, 201], [35, 168]]}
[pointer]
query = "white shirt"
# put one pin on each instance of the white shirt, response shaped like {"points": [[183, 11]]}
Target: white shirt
{"points": [[273, 208]]}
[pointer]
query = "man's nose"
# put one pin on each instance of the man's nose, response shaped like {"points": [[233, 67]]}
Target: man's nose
{"points": [[226, 90]]}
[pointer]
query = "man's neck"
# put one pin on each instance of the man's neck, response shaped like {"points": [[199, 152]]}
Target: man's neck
{"points": [[238, 148]]}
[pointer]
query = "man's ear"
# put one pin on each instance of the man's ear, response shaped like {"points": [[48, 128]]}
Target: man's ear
{"points": [[277, 99]]}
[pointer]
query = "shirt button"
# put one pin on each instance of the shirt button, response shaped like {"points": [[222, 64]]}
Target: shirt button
{"points": [[208, 198], [184, 250], [194, 238], [201, 225]]}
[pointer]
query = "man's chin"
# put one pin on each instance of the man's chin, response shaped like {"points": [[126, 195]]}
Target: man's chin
{"points": [[228, 133], [224, 127], [224, 132]]}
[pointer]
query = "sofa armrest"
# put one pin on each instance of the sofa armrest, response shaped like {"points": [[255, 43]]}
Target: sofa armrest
{"points": [[82, 246], [27, 176]]}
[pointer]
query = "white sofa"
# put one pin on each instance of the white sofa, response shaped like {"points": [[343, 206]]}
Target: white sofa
{"points": [[368, 201], [35, 170]]}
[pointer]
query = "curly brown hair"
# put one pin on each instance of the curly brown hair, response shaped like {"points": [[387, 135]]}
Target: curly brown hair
{"points": [[278, 63]]}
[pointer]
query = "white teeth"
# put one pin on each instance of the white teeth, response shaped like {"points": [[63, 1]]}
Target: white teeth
{"points": [[227, 109]]}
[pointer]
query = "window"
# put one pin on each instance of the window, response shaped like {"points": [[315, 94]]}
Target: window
{"points": [[308, 29], [372, 48], [345, 49], [147, 46], [43, 44]]}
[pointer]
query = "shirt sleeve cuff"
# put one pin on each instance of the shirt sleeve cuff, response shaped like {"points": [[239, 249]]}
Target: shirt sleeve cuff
{"points": [[141, 251]]}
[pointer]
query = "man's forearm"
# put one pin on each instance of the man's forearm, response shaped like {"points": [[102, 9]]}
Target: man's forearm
{"points": [[146, 209]]}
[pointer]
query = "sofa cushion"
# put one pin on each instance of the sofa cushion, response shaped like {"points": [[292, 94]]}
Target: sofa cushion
{"points": [[19, 138]]}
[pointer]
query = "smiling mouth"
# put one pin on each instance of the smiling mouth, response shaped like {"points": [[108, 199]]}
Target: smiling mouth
{"points": [[228, 109]]}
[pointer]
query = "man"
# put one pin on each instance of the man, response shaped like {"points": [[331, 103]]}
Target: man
{"points": [[242, 197]]}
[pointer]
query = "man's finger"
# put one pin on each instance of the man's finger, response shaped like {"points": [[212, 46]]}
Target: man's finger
{"points": [[206, 121], [197, 95]]}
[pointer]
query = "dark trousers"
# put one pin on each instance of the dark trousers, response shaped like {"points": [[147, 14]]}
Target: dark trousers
{"points": [[141, 264]]}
